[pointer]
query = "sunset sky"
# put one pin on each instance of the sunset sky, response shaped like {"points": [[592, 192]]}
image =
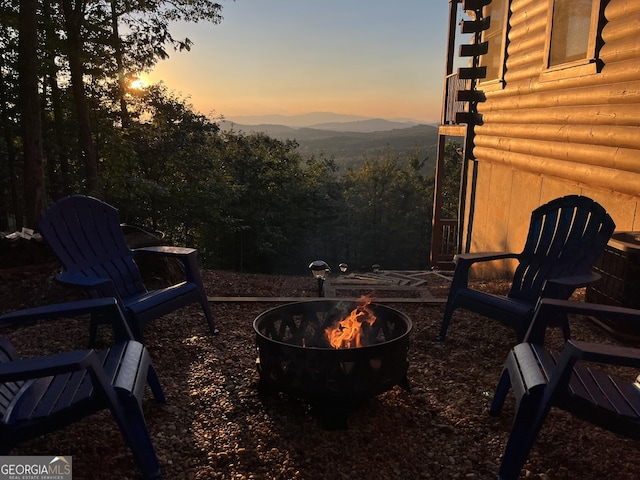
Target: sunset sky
{"points": [[361, 57]]}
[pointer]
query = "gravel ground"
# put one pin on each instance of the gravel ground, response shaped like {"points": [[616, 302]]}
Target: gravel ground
{"points": [[216, 426]]}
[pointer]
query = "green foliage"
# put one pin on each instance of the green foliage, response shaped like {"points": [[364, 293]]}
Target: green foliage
{"points": [[451, 185], [250, 202], [389, 206], [162, 169], [254, 203], [86, 53], [247, 202], [349, 148], [264, 179]]}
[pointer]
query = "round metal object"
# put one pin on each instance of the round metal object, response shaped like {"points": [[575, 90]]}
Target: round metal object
{"points": [[294, 355]]}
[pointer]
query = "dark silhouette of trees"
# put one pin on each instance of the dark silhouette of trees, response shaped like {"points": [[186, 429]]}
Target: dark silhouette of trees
{"points": [[389, 204], [60, 99], [71, 123], [29, 101]]}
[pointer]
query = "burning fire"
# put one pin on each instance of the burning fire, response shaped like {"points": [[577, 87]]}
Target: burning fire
{"points": [[348, 332]]}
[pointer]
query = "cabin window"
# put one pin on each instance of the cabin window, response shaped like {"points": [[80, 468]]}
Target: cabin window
{"points": [[573, 32], [495, 36]]}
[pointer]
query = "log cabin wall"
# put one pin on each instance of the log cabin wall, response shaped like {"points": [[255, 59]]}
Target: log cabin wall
{"points": [[551, 133]]}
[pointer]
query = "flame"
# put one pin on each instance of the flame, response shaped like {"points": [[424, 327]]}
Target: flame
{"points": [[348, 332]]}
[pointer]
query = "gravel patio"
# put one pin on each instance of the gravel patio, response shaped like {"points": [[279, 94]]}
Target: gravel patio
{"points": [[216, 426]]}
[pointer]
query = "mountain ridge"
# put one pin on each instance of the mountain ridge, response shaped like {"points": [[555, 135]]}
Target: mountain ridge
{"points": [[323, 120], [349, 148]]}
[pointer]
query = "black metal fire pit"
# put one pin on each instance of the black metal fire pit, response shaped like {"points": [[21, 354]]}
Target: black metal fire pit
{"points": [[295, 357]]}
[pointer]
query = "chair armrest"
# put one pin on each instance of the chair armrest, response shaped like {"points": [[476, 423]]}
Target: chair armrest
{"points": [[483, 256], [95, 286], [80, 280], [464, 261], [574, 351], [549, 308], [106, 307], [564, 287], [185, 254], [575, 281], [98, 305], [588, 309], [601, 353], [165, 251], [31, 368]]}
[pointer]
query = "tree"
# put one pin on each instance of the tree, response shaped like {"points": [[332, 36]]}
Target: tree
{"points": [[269, 196], [165, 172], [148, 36], [30, 114], [247, 202], [74, 14], [12, 188], [451, 177], [83, 51], [389, 203], [325, 216]]}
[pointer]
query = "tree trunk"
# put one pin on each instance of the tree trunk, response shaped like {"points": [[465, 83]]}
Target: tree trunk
{"points": [[34, 189], [56, 149], [8, 128], [73, 22], [122, 87]]}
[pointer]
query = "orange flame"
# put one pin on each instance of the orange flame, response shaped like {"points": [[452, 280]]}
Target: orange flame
{"points": [[348, 332]]}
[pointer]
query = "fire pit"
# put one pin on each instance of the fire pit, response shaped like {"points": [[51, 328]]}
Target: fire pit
{"points": [[295, 355]]}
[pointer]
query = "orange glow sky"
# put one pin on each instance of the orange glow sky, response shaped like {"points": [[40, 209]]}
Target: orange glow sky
{"points": [[360, 57]]}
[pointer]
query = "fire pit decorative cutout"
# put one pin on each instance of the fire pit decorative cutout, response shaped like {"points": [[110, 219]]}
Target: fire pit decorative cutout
{"points": [[295, 355]]}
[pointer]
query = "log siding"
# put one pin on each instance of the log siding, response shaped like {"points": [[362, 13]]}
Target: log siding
{"points": [[546, 135]]}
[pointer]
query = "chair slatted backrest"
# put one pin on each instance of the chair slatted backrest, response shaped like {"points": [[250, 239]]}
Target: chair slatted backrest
{"points": [[54, 394], [85, 234], [565, 237], [8, 390]]}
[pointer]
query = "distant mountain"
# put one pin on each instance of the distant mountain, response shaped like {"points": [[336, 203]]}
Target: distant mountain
{"points": [[305, 120], [325, 121], [350, 148], [358, 126], [273, 130], [371, 125]]}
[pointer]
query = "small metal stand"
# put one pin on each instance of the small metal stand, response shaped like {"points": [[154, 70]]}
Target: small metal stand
{"points": [[320, 269]]}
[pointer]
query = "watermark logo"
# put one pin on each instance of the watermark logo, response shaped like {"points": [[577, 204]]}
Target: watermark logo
{"points": [[36, 468]]}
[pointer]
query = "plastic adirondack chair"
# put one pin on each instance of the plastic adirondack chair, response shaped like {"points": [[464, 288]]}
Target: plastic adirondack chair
{"points": [[85, 235], [566, 236], [542, 379], [40, 395]]}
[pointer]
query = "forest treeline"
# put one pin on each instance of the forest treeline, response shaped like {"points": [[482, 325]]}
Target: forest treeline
{"points": [[347, 147], [72, 122]]}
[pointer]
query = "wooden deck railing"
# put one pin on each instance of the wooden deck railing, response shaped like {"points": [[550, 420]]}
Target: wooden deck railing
{"points": [[446, 244], [452, 105]]}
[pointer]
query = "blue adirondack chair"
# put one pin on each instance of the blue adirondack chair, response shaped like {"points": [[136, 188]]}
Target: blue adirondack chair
{"points": [[85, 235], [565, 238], [572, 380], [40, 395]]}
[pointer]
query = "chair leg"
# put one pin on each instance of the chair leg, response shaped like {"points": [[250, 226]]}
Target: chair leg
{"points": [[500, 395], [132, 424], [154, 384], [446, 320], [193, 275], [207, 313], [566, 330], [93, 330], [137, 327], [521, 373], [524, 431]]}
